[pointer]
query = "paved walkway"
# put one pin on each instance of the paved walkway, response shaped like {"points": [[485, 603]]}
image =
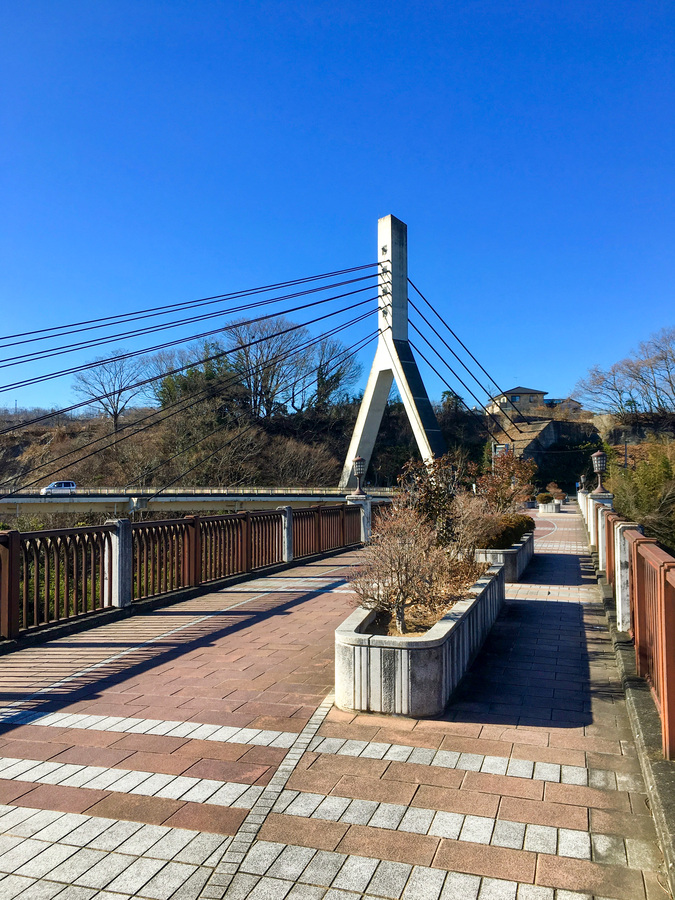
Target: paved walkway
{"points": [[195, 752]]}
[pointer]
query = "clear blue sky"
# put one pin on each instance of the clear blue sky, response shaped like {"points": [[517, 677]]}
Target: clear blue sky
{"points": [[155, 152]]}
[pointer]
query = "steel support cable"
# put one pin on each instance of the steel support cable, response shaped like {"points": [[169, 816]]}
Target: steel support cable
{"points": [[179, 369], [462, 363], [459, 341], [183, 304], [344, 356], [449, 386], [40, 379], [184, 404], [464, 385], [164, 326]]}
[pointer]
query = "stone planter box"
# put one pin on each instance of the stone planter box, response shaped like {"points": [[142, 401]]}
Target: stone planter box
{"points": [[514, 558], [554, 507], [414, 676]]}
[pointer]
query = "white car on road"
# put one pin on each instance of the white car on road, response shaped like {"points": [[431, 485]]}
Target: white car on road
{"points": [[59, 487]]}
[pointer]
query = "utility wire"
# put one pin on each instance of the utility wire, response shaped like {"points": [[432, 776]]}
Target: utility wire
{"points": [[219, 355], [448, 347], [485, 372], [171, 307], [186, 405], [123, 356], [110, 339]]}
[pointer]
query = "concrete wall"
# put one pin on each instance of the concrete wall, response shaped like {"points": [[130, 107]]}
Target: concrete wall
{"points": [[414, 676], [514, 559]]}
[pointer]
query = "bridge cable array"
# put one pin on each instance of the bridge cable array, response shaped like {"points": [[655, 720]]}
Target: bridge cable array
{"points": [[204, 395]]}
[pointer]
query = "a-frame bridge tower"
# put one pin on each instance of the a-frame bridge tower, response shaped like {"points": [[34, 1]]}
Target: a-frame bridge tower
{"points": [[393, 358]]}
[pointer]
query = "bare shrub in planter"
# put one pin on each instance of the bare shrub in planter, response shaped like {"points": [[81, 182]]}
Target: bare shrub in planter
{"points": [[544, 497], [402, 566]]}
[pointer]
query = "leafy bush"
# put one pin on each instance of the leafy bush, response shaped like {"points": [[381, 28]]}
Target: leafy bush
{"points": [[511, 528], [545, 497], [646, 494]]}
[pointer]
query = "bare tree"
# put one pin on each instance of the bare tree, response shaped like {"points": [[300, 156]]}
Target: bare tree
{"points": [[112, 384], [644, 382]]}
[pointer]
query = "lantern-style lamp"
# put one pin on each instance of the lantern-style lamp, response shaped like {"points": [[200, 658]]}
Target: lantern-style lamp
{"points": [[599, 466], [359, 467]]}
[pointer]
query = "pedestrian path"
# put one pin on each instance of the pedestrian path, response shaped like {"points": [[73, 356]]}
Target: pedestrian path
{"points": [[195, 752]]}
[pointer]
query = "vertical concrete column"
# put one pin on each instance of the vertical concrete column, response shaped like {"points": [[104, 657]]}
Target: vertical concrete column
{"points": [[582, 498], [366, 516], [602, 537], [286, 532], [594, 502], [119, 562], [622, 573]]}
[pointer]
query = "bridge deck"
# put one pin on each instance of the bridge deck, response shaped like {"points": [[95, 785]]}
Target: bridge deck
{"points": [[160, 756]]}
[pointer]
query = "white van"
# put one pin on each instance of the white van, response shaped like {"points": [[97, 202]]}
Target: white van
{"points": [[59, 487]]}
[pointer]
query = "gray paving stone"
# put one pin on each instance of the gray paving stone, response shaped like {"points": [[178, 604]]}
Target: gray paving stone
{"points": [[472, 762], [422, 756], [353, 748], [143, 839], [447, 825], [87, 831], [416, 821], [291, 863], [458, 885], [495, 765], [643, 854], [260, 857], [172, 843], [496, 889], [424, 884], [323, 868], [508, 834], [17, 856], [166, 882], [77, 864], [389, 879], [355, 873], [12, 885], [388, 815], [603, 779], [112, 837], [40, 890], [304, 805], [477, 829], [629, 781], [100, 875], [398, 752], [359, 812], [574, 895], [270, 889], [132, 879], [573, 775], [331, 808], [241, 886], [63, 826], [40, 820], [306, 892], [546, 772], [200, 848], [541, 838], [520, 768], [82, 893], [332, 745], [574, 843], [609, 849], [446, 758], [534, 892], [375, 750]]}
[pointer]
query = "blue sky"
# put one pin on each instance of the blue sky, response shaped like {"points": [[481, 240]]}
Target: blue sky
{"points": [[155, 152]]}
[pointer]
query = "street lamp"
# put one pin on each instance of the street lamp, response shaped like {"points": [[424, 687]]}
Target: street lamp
{"points": [[599, 466], [359, 467]]}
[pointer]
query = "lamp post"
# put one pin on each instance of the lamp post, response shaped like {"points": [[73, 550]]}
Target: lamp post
{"points": [[359, 467], [599, 466]]}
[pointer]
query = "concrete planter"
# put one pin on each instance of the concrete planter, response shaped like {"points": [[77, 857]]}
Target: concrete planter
{"points": [[514, 558], [414, 676], [554, 507]]}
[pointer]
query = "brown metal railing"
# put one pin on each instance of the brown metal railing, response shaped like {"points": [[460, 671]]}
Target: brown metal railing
{"points": [[652, 616], [161, 557], [49, 576], [52, 576]]}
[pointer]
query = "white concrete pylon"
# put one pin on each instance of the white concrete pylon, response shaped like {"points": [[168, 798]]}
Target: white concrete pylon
{"points": [[394, 359]]}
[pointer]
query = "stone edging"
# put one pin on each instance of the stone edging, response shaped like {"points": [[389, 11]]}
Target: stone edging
{"points": [[515, 558]]}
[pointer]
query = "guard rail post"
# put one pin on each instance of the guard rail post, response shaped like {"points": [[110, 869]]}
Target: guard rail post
{"points": [[286, 533], [9, 583], [247, 537], [193, 537], [119, 562]]}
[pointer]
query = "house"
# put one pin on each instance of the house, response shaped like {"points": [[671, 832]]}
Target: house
{"points": [[528, 401]]}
